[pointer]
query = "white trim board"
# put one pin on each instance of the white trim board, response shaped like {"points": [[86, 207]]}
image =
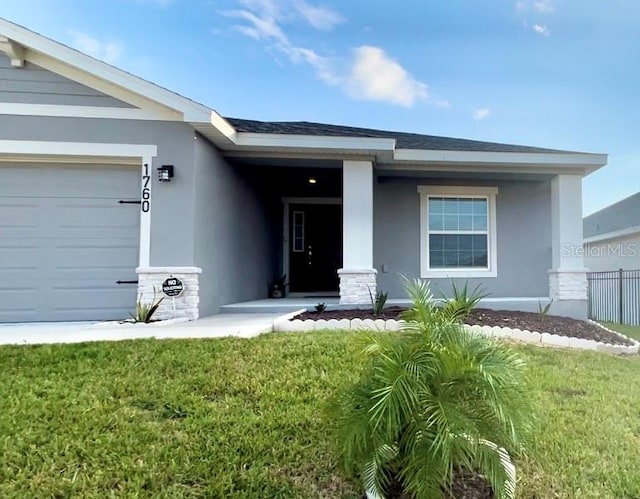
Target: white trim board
{"points": [[51, 148], [629, 231], [65, 111]]}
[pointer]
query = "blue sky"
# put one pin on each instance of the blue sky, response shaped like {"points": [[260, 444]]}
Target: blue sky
{"points": [[552, 73]]}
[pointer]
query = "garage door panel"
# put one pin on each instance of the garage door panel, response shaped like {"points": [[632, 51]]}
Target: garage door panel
{"points": [[18, 303], [18, 258], [96, 219], [19, 219], [65, 241], [31, 180], [82, 182]]}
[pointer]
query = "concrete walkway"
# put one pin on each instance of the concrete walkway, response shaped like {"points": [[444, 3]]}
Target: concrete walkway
{"points": [[217, 326]]}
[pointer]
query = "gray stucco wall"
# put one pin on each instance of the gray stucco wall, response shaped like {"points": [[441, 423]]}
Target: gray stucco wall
{"points": [[233, 235], [523, 219], [34, 85], [621, 215], [613, 254], [172, 220]]}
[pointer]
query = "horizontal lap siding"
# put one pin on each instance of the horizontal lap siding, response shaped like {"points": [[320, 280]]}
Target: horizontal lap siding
{"points": [[35, 85]]}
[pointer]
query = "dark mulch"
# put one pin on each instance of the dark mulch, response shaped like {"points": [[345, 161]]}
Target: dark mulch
{"points": [[387, 313], [466, 485], [552, 324], [531, 321]]}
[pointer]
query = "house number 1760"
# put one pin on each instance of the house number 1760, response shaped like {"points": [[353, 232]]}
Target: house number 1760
{"points": [[146, 190]]}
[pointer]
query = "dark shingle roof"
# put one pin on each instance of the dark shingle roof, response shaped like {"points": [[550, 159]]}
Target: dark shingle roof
{"points": [[618, 216], [404, 140]]}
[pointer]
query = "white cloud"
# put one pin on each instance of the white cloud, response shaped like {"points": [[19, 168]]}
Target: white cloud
{"points": [[540, 6], [544, 6], [370, 74], [260, 28], [541, 29], [107, 51], [375, 76], [533, 10], [319, 17], [481, 114]]}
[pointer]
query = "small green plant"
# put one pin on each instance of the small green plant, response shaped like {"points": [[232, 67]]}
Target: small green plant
{"points": [[378, 302], [544, 311], [463, 301], [321, 307], [144, 311], [432, 401]]}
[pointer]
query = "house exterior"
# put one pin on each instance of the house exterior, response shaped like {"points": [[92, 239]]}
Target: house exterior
{"points": [[87, 226], [612, 236]]}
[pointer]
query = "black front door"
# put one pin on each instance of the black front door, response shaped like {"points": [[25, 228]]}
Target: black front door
{"points": [[315, 247]]}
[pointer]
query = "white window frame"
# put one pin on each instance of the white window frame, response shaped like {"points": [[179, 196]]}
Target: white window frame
{"points": [[427, 191]]}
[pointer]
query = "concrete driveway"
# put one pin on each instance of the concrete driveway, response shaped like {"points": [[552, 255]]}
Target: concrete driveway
{"points": [[217, 326]]}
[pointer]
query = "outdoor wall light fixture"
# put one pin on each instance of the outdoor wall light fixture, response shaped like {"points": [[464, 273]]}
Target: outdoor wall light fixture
{"points": [[312, 180], [165, 173]]}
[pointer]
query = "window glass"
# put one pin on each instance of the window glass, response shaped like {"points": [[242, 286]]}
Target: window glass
{"points": [[458, 232]]}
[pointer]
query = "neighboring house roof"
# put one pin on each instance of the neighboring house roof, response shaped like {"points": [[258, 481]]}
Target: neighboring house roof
{"points": [[403, 140], [399, 150], [617, 220]]}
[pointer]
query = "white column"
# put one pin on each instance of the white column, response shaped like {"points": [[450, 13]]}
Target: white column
{"points": [[567, 277], [357, 277]]}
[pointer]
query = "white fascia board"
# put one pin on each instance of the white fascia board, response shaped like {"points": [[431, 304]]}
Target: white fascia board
{"points": [[223, 126], [314, 142], [46, 47], [628, 231], [583, 161]]}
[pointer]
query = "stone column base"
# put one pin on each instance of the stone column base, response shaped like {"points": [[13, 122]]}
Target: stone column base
{"points": [[185, 306], [568, 289], [357, 286], [568, 284]]}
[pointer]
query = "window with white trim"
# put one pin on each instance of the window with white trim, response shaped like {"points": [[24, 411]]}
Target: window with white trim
{"points": [[458, 231]]}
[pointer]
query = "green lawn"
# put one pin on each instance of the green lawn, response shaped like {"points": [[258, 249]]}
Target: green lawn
{"points": [[630, 331], [243, 418]]}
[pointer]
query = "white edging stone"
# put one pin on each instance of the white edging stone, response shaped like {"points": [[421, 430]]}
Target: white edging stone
{"points": [[525, 336]]}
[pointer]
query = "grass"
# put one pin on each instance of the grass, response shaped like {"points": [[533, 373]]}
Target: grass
{"points": [[630, 331], [243, 418]]}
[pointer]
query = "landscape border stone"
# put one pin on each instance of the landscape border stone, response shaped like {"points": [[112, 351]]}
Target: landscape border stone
{"points": [[289, 324]]}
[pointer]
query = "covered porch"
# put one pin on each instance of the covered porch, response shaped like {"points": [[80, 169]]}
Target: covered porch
{"points": [[317, 226]]}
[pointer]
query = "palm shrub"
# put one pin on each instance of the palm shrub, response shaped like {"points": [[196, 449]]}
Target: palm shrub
{"points": [[429, 401], [463, 301]]}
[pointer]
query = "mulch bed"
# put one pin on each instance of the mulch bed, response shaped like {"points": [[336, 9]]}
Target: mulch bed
{"points": [[552, 324]]}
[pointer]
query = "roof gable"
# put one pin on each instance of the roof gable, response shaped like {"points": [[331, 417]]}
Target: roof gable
{"points": [[35, 85], [72, 64]]}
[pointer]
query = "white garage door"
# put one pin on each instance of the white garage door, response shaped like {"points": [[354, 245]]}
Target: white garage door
{"points": [[66, 240]]}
